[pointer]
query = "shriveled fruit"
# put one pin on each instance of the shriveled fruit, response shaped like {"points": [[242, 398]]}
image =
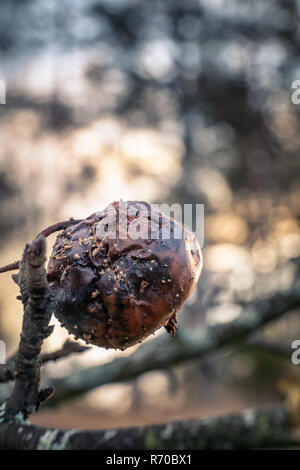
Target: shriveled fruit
{"points": [[115, 291]]}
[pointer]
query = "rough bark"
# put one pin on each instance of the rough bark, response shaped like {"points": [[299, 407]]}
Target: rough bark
{"points": [[247, 430], [37, 313]]}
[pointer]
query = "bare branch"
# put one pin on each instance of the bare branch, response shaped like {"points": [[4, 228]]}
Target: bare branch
{"points": [[279, 350], [7, 370], [69, 347], [58, 226], [10, 267], [45, 233], [246, 430], [37, 313]]}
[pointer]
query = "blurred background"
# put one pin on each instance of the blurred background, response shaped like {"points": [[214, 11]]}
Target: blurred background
{"points": [[165, 101]]}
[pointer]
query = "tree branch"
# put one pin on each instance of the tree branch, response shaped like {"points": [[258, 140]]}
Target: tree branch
{"points": [[69, 347], [246, 430], [7, 371], [44, 233], [37, 313], [278, 350], [58, 226], [10, 267]]}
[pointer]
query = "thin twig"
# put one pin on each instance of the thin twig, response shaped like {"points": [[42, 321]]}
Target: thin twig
{"points": [[10, 267], [69, 347], [7, 371], [59, 226], [46, 232]]}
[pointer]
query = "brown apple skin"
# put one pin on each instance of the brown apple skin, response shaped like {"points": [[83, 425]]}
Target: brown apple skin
{"points": [[114, 293]]}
